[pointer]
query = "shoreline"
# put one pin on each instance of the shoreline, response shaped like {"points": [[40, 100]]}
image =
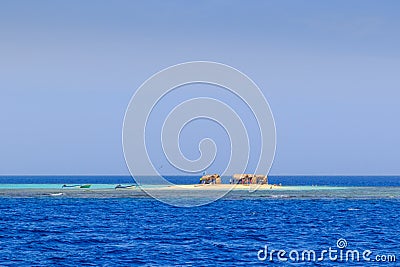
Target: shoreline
{"points": [[243, 187], [185, 192], [172, 187]]}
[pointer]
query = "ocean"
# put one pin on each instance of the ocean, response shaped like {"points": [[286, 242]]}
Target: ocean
{"points": [[106, 228]]}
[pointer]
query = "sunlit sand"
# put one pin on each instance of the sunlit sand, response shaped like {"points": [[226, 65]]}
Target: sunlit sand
{"points": [[251, 187]]}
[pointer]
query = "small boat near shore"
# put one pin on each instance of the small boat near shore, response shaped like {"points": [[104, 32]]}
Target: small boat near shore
{"points": [[126, 186], [84, 186]]}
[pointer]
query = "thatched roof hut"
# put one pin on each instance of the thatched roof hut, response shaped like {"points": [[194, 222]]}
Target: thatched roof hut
{"points": [[249, 179], [210, 179]]}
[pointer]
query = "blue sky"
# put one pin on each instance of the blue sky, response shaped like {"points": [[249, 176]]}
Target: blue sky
{"points": [[330, 71]]}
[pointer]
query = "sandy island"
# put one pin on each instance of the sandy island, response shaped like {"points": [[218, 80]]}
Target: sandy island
{"points": [[234, 187]]}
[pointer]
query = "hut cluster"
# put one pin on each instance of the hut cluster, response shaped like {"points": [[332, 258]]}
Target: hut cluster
{"points": [[236, 179], [249, 179]]}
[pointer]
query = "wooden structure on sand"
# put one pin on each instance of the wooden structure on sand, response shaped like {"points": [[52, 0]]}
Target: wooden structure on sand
{"points": [[249, 179], [210, 179]]}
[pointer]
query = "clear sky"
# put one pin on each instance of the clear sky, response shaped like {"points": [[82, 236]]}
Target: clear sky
{"points": [[329, 69]]}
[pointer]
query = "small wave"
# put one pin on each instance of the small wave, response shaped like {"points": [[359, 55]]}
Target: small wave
{"points": [[56, 194], [353, 209]]}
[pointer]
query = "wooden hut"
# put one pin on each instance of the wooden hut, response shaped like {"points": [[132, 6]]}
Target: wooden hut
{"points": [[210, 179], [249, 179]]}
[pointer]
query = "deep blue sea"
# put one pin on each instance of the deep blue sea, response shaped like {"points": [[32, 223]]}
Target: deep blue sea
{"points": [[93, 231]]}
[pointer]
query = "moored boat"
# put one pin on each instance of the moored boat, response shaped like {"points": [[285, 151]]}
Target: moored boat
{"points": [[125, 186], [77, 186]]}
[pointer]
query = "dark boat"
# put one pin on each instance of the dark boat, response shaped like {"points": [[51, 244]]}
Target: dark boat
{"points": [[125, 186], [77, 186]]}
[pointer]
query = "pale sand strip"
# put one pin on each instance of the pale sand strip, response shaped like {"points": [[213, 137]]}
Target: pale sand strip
{"points": [[227, 187]]}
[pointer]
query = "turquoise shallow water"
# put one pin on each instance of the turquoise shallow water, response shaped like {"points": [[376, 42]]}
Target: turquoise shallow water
{"points": [[108, 191], [52, 186]]}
